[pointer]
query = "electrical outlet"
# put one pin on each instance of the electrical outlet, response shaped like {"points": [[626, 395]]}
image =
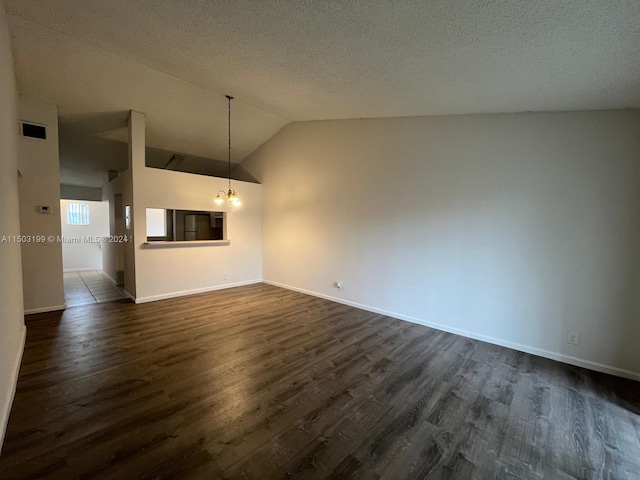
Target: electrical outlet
{"points": [[573, 338], [340, 286], [224, 276]]}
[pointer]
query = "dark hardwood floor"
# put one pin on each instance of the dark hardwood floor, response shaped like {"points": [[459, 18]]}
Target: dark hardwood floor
{"points": [[259, 382]]}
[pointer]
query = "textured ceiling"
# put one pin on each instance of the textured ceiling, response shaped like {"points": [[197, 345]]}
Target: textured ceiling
{"points": [[84, 80], [308, 59]]}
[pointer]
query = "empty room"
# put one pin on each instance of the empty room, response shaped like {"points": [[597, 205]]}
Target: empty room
{"points": [[319, 239]]}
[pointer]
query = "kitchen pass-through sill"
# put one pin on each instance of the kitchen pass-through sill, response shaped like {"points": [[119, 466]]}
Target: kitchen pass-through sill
{"points": [[186, 243]]}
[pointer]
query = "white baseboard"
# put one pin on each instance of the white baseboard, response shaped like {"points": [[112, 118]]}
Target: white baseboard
{"points": [[13, 382], [109, 277], [83, 269], [53, 308], [182, 293], [560, 357]]}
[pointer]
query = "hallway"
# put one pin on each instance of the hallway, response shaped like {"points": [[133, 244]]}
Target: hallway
{"points": [[83, 288]]}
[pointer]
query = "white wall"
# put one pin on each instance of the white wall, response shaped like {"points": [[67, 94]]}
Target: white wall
{"points": [[113, 253], [513, 228], [76, 192], [39, 184], [136, 151], [12, 330], [172, 271], [166, 272], [84, 256]]}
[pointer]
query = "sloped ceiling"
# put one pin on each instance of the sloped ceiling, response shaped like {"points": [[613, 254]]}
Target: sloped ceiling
{"points": [[288, 60], [92, 84]]}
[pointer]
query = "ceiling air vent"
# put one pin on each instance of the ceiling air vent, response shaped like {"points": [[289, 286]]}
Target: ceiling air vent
{"points": [[32, 130]]}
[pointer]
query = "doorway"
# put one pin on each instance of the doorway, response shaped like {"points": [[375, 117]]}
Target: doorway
{"points": [[85, 232]]}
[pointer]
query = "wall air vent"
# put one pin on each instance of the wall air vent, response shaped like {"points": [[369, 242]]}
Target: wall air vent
{"points": [[32, 130]]}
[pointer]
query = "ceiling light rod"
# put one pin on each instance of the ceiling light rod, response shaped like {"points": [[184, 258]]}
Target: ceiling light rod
{"points": [[232, 197], [229, 98]]}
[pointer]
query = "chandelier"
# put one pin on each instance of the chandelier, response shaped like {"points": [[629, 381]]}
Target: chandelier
{"points": [[231, 196]]}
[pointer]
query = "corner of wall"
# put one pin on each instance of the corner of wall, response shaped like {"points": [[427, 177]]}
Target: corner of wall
{"points": [[39, 184], [12, 329], [508, 228], [7, 402]]}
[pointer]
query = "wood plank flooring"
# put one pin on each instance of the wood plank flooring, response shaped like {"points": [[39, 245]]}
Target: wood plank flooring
{"points": [[259, 382]]}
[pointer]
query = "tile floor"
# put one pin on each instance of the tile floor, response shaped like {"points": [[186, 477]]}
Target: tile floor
{"points": [[82, 288]]}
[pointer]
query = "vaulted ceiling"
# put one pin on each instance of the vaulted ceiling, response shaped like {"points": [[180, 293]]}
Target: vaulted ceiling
{"points": [[288, 60]]}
